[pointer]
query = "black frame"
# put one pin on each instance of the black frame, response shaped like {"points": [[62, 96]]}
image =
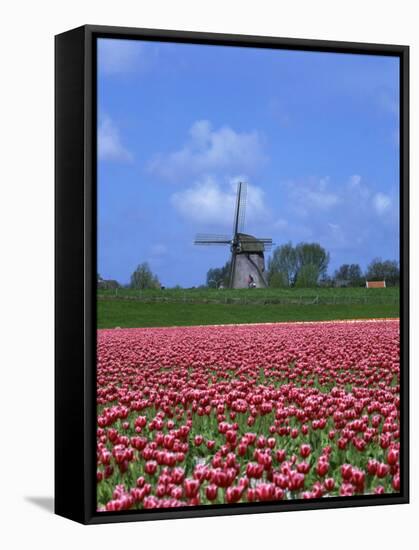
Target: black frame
{"points": [[75, 271]]}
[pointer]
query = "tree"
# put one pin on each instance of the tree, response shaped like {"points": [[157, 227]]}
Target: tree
{"points": [[387, 270], [312, 254], [348, 275], [282, 266], [307, 262], [355, 275], [308, 276], [278, 279], [144, 278], [218, 276]]}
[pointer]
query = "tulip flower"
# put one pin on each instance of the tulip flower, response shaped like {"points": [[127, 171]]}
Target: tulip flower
{"points": [[191, 487], [305, 450], [211, 491], [395, 482], [346, 471], [174, 404], [150, 467], [382, 470], [329, 484], [392, 457]]}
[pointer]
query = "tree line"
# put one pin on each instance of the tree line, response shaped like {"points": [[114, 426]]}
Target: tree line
{"points": [[141, 279], [305, 265]]}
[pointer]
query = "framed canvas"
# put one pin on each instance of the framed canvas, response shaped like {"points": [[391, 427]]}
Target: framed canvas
{"points": [[232, 284]]}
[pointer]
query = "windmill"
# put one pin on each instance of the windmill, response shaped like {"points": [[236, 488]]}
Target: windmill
{"points": [[247, 252]]}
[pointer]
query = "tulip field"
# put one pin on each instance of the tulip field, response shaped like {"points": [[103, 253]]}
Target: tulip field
{"points": [[217, 414]]}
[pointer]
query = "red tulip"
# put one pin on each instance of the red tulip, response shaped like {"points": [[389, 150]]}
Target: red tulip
{"points": [[177, 396], [191, 487], [265, 491], [211, 491], [392, 457], [271, 442], [322, 468], [280, 455], [346, 490], [346, 471], [296, 481], [303, 467], [382, 470], [233, 494], [329, 483], [305, 450], [395, 482], [358, 479], [150, 467], [372, 466], [198, 440]]}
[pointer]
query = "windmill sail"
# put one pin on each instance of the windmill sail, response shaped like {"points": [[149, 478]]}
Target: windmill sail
{"points": [[242, 207], [240, 210], [207, 238]]}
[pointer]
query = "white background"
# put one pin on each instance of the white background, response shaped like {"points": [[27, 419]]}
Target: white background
{"points": [[26, 285]]}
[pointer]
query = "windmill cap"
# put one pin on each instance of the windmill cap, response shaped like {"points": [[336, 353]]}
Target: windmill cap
{"points": [[248, 243]]}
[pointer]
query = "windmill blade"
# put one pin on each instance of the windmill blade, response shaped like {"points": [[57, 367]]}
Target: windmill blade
{"points": [[242, 207], [213, 243], [212, 237], [237, 210], [206, 238]]}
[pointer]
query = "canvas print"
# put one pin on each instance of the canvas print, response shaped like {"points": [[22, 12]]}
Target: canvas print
{"points": [[248, 274]]}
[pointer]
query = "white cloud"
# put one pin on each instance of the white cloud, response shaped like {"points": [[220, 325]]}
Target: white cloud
{"points": [[322, 200], [210, 151], [351, 218], [356, 189], [381, 203], [109, 142], [311, 195], [209, 203], [354, 181], [117, 56]]}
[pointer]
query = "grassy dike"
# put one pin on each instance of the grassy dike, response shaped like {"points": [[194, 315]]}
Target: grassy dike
{"points": [[128, 314]]}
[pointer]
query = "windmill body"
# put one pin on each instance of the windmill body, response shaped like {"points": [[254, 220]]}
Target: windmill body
{"points": [[247, 263]]}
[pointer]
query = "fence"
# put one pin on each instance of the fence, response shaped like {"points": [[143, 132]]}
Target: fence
{"points": [[283, 300]]}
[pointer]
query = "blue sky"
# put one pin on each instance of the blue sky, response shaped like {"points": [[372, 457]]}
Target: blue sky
{"points": [[315, 136]]}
